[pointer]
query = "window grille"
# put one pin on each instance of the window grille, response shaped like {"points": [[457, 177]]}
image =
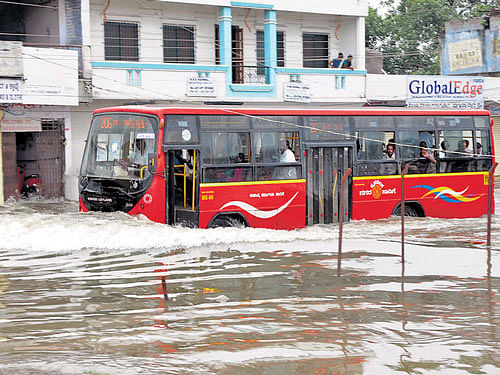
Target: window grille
{"points": [[315, 50], [121, 41], [280, 49], [178, 44]]}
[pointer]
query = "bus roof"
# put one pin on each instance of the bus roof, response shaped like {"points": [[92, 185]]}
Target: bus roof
{"points": [[287, 111]]}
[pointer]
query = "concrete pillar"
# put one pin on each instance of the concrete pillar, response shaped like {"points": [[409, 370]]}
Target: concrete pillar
{"points": [[359, 57], [270, 46], [1, 161], [225, 39]]}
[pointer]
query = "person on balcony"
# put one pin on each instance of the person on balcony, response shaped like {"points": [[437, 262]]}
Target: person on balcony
{"points": [[335, 63], [347, 64]]}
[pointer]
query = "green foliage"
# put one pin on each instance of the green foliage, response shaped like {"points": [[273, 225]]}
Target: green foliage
{"points": [[409, 30]]}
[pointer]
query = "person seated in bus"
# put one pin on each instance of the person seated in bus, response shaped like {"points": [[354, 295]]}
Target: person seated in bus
{"points": [[390, 151], [237, 173], [444, 166], [465, 147], [287, 155], [443, 152], [425, 163], [479, 148]]}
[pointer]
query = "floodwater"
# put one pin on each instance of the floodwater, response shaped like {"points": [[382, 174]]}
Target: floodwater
{"points": [[82, 294]]}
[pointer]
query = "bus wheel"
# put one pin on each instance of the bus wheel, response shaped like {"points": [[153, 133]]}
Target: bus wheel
{"points": [[409, 211], [227, 221]]}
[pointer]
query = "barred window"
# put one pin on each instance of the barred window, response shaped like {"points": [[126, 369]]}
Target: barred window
{"points": [[121, 41], [178, 44], [280, 49], [315, 49]]}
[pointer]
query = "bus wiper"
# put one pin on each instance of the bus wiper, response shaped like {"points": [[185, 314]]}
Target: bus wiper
{"points": [[121, 190]]}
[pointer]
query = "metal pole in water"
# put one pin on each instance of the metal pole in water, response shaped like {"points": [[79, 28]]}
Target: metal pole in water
{"points": [[403, 173], [341, 218], [490, 201], [164, 287]]}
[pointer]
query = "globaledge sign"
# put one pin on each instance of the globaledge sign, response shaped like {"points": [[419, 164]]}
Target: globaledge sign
{"points": [[445, 92]]}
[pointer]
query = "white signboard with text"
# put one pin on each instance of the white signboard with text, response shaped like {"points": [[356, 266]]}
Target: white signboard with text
{"points": [[297, 92], [11, 90], [28, 118], [200, 86], [445, 92]]}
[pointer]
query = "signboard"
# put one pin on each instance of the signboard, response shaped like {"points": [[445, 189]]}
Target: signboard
{"points": [[11, 59], [200, 86], [51, 76], [11, 90], [297, 92], [441, 92], [465, 54], [28, 118]]}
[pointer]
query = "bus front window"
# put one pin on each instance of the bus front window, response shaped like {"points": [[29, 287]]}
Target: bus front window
{"points": [[119, 146]]}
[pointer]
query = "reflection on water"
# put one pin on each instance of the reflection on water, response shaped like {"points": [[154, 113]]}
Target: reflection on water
{"points": [[82, 294]]}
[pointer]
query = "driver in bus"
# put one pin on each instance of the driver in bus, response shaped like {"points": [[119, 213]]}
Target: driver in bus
{"points": [[139, 155]]}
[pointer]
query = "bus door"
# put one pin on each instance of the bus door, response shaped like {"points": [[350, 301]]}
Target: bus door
{"points": [[325, 169], [182, 174]]}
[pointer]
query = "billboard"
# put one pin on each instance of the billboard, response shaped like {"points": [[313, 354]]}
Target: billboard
{"points": [[441, 92]]}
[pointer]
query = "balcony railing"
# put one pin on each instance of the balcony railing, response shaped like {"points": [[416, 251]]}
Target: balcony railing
{"points": [[247, 74]]}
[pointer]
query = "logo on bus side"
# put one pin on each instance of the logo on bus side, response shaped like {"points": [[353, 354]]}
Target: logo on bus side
{"points": [[377, 190]]}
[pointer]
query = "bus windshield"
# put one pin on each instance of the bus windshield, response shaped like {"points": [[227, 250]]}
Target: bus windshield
{"points": [[120, 146]]}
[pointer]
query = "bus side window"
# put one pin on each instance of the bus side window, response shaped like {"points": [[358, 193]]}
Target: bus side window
{"points": [[376, 153], [456, 148]]}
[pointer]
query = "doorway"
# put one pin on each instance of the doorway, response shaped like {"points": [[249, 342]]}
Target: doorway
{"points": [[182, 187], [325, 169], [40, 160]]}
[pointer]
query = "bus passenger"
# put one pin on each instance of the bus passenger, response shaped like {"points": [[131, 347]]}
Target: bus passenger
{"points": [[465, 147], [390, 150], [479, 147], [425, 163], [428, 163], [287, 155], [444, 147]]}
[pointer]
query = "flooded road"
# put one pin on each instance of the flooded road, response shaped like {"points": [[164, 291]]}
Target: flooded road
{"points": [[82, 294]]}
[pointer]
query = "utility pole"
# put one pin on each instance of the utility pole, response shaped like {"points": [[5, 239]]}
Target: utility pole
{"points": [[1, 160]]}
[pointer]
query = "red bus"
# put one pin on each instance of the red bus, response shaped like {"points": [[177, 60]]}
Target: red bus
{"points": [[281, 168]]}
